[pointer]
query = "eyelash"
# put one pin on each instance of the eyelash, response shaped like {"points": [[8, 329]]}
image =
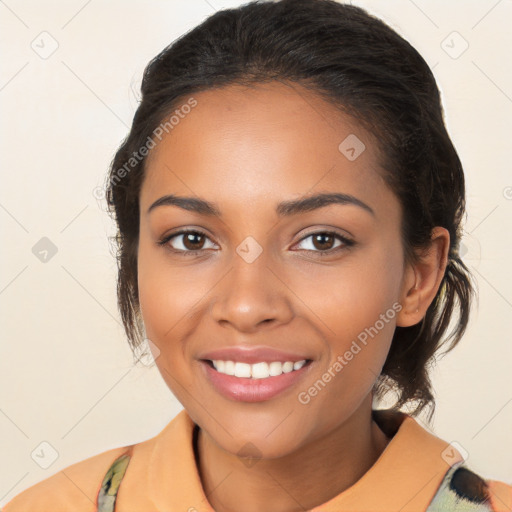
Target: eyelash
{"points": [[347, 242]]}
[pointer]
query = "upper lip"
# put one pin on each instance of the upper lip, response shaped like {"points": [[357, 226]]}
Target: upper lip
{"points": [[251, 355]]}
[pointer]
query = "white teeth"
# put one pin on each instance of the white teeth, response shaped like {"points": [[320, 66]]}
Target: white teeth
{"points": [[299, 364], [242, 370], [288, 367], [275, 368], [261, 370], [229, 368]]}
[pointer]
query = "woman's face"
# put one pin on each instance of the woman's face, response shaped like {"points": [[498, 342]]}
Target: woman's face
{"points": [[323, 283]]}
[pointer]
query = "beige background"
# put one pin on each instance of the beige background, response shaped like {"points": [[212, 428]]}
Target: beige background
{"points": [[67, 374]]}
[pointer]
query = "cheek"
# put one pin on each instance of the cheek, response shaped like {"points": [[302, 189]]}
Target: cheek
{"points": [[357, 351], [357, 308], [351, 297], [168, 299], [168, 294]]}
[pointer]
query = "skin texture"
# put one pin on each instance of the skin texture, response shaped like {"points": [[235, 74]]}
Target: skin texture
{"points": [[247, 149]]}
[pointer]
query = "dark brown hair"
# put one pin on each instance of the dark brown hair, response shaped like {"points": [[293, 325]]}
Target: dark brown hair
{"points": [[361, 66]]}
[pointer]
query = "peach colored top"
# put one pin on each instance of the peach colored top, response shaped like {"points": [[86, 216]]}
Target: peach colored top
{"points": [[162, 476]]}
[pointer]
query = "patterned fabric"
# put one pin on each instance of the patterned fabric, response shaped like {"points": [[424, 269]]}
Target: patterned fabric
{"points": [[110, 486], [461, 491]]}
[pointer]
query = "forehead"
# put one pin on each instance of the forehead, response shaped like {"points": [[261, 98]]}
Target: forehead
{"points": [[261, 143]]}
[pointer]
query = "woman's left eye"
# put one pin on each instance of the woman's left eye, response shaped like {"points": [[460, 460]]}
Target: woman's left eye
{"points": [[324, 241]]}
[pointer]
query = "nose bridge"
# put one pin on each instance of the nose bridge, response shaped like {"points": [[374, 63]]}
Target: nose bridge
{"points": [[251, 295]]}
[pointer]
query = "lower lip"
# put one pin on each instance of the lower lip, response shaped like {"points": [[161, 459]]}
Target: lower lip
{"points": [[243, 389]]}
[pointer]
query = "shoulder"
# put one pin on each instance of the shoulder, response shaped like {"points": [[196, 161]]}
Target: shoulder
{"points": [[94, 483], [448, 482], [462, 489], [74, 488]]}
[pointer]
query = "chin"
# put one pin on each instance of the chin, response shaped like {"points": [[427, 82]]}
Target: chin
{"points": [[263, 436], [258, 448]]}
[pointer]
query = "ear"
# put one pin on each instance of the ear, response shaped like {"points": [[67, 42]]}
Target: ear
{"points": [[422, 279]]}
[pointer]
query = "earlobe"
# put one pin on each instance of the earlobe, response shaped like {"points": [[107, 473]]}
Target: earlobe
{"points": [[423, 278]]}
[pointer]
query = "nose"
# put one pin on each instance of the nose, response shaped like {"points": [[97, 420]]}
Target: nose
{"points": [[252, 296]]}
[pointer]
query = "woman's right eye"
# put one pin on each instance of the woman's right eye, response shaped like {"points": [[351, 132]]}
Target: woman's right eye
{"points": [[187, 242]]}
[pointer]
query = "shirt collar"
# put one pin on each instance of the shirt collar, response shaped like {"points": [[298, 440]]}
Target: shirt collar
{"points": [[404, 478]]}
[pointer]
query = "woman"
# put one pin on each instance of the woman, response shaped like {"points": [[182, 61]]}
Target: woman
{"points": [[289, 208]]}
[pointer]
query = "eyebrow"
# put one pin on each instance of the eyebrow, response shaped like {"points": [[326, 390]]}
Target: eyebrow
{"points": [[283, 209]]}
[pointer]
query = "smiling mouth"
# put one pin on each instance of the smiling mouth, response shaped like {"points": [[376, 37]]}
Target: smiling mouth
{"points": [[255, 371]]}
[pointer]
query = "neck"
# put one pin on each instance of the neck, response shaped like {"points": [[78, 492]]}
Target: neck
{"points": [[298, 481]]}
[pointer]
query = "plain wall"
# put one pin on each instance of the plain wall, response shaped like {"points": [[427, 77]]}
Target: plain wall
{"points": [[67, 373]]}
